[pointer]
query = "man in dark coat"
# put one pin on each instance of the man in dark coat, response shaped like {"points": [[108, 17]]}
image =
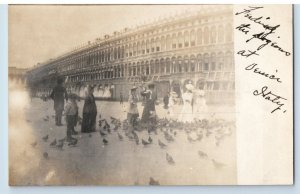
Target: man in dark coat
{"points": [[58, 95]]}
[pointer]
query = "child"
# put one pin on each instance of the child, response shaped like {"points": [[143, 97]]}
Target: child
{"points": [[71, 113]]}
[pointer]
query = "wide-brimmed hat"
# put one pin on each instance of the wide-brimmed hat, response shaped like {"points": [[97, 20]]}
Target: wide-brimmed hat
{"points": [[173, 93], [189, 86]]}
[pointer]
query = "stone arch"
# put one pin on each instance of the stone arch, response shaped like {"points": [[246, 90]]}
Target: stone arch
{"points": [[206, 62], [186, 38], [163, 43], [213, 35], [228, 33], [162, 66], [192, 38], [193, 63], [213, 61], [220, 33], [206, 35]]}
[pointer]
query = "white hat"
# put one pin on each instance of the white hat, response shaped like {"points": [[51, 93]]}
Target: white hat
{"points": [[189, 86]]}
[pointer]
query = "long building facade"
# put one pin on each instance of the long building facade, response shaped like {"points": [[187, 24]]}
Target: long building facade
{"points": [[195, 47]]}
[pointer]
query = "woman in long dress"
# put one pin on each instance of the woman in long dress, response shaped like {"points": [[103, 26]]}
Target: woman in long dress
{"points": [[89, 112], [199, 105], [171, 105], [186, 114]]}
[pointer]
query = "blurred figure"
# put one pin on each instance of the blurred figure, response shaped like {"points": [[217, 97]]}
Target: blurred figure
{"points": [[166, 100], [186, 114], [133, 112], [89, 111], [172, 102], [121, 98], [71, 113], [58, 95], [199, 106]]}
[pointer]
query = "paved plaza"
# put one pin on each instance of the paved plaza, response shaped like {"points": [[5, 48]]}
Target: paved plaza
{"points": [[91, 162]]}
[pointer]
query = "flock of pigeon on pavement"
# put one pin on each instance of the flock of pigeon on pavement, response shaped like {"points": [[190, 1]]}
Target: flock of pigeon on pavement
{"points": [[195, 131]]}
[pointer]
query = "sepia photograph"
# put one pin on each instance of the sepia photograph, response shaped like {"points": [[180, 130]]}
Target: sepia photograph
{"points": [[122, 95]]}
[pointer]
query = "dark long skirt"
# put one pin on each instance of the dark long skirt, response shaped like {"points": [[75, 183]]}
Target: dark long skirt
{"points": [[88, 122]]}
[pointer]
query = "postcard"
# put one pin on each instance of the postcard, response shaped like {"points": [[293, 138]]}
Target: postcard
{"points": [[150, 95]]}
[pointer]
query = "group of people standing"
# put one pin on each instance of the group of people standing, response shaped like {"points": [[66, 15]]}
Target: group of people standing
{"points": [[150, 100], [89, 112], [194, 105]]}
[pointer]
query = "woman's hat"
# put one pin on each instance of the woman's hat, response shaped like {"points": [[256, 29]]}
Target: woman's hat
{"points": [[189, 86]]}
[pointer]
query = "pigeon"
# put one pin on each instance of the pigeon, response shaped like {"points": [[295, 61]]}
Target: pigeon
{"points": [[137, 141], [62, 140], [145, 142], [46, 119], [218, 165], [200, 136], [135, 136], [73, 142], [53, 143], [113, 119], [153, 182], [161, 144], [105, 141], [116, 128], [202, 154], [169, 159], [175, 133], [102, 133], [150, 139], [45, 155], [191, 140], [120, 137], [45, 138], [168, 137], [34, 144], [90, 135], [60, 145]]}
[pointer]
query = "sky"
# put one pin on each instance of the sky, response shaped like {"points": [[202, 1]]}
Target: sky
{"points": [[40, 32]]}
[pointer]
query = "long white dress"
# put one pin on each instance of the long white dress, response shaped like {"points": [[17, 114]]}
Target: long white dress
{"points": [[200, 108], [186, 114]]}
